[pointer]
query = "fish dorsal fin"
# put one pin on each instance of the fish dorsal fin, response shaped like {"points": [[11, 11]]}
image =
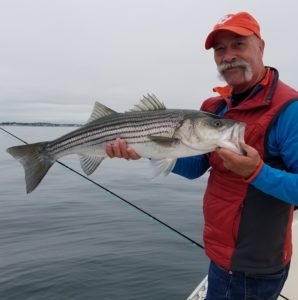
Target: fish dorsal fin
{"points": [[149, 103], [99, 111], [90, 163]]}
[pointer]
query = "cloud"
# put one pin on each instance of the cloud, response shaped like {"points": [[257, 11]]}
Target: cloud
{"points": [[70, 53]]}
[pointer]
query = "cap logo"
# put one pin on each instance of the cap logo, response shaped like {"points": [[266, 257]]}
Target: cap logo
{"points": [[224, 19]]}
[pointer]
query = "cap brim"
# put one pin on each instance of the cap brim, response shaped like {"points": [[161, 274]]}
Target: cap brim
{"points": [[239, 30]]}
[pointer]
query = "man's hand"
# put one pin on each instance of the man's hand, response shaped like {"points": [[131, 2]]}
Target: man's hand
{"points": [[243, 165], [120, 149]]}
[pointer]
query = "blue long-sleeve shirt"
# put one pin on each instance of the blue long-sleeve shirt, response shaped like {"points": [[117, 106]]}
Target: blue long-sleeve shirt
{"points": [[282, 141]]}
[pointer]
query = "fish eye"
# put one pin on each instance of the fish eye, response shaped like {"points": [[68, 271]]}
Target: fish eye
{"points": [[217, 123]]}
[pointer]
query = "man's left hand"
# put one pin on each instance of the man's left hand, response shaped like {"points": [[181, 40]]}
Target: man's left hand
{"points": [[243, 165]]}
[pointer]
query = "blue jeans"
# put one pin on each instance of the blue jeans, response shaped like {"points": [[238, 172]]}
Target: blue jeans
{"points": [[227, 285]]}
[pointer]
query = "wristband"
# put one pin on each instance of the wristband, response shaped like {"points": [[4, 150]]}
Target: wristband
{"points": [[255, 173]]}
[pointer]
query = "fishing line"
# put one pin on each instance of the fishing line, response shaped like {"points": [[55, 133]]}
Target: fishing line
{"points": [[117, 196]]}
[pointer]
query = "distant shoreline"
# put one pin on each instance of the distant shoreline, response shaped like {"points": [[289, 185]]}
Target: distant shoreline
{"points": [[46, 124]]}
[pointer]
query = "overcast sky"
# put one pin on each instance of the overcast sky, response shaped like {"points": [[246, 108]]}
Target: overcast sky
{"points": [[59, 56]]}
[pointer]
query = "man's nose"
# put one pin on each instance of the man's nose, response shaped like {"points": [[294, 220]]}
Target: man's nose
{"points": [[229, 56]]}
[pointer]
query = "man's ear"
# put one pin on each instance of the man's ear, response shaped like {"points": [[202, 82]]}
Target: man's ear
{"points": [[262, 45]]}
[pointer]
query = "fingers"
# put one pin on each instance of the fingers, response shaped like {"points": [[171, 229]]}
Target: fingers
{"points": [[110, 151], [252, 154], [243, 165], [226, 154], [120, 149], [133, 154], [117, 149], [245, 148]]}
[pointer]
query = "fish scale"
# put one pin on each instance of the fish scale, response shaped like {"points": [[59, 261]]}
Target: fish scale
{"points": [[115, 126], [150, 129]]}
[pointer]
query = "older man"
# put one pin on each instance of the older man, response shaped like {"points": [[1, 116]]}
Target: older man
{"points": [[249, 200]]}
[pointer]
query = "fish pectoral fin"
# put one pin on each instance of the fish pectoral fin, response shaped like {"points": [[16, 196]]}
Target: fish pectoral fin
{"points": [[164, 166], [149, 103], [99, 111], [162, 139], [90, 163]]}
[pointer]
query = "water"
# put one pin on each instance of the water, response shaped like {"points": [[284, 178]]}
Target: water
{"points": [[72, 240]]}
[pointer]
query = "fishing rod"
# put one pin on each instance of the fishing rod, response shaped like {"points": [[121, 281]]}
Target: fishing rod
{"points": [[117, 196]]}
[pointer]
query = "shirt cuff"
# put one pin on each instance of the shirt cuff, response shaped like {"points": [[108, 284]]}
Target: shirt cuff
{"points": [[255, 173]]}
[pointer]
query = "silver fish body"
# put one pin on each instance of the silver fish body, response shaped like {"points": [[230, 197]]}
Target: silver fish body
{"points": [[155, 132]]}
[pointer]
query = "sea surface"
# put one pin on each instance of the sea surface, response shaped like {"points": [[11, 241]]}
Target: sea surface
{"points": [[70, 239]]}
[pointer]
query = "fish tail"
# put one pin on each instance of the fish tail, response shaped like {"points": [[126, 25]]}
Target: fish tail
{"points": [[35, 160]]}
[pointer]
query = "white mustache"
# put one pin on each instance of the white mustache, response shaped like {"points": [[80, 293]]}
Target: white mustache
{"points": [[234, 64], [240, 63]]}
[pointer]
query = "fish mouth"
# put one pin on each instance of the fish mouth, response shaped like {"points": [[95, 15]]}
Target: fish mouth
{"points": [[234, 138], [237, 136]]}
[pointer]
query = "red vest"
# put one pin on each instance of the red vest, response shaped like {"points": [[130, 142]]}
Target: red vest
{"points": [[246, 229]]}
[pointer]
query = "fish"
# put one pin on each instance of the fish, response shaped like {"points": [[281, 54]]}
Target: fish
{"points": [[153, 131]]}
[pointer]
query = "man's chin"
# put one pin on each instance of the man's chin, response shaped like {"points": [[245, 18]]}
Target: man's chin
{"points": [[234, 78]]}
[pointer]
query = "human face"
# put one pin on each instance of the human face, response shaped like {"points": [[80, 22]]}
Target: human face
{"points": [[239, 59]]}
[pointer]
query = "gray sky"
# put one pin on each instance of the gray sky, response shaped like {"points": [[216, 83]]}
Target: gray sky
{"points": [[59, 56]]}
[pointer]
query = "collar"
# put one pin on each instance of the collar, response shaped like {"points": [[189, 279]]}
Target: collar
{"points": [[226, 91]]}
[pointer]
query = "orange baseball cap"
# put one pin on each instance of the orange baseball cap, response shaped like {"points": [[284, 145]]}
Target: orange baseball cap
{"points": [[241, 23]]}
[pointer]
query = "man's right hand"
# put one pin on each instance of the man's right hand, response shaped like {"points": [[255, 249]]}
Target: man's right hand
{"points": [[120, 149]]}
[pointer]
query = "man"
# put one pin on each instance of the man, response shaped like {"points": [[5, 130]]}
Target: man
{"points": [[249, 200]]}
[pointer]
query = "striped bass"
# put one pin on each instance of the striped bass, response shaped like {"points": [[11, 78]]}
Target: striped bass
{"points": [[154, 132]]}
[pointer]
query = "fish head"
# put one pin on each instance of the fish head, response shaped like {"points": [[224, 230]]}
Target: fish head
{"points": [[232, 135], [205, 132]]}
